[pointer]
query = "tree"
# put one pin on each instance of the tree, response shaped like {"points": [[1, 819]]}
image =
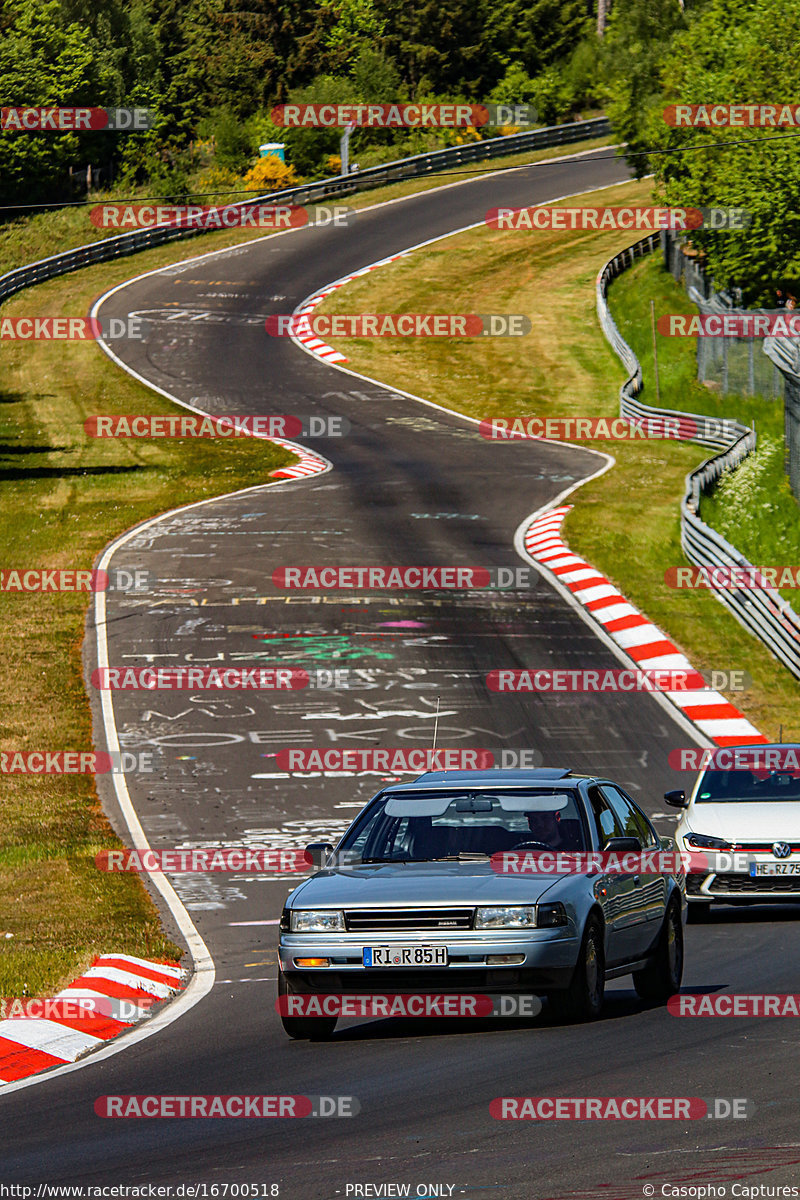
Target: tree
{"points": [[637, 41], [352, 26], [735, 51], [441, 46], [46, 60], [536, 33]]}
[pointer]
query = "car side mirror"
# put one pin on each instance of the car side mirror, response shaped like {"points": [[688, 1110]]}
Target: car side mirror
{"points": [[622, 845], [676, 798], [318, 853]]}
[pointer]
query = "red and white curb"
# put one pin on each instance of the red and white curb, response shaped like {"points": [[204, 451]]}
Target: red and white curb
{"points": [[30, 1044], [641, 640], [308, 462], [302, 332]]}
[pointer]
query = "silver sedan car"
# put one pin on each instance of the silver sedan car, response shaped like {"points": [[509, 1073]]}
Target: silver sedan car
{"points": [[420, 895]]}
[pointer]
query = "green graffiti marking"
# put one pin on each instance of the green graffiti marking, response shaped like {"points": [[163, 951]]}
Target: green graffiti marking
{"points": [[339, 647]]}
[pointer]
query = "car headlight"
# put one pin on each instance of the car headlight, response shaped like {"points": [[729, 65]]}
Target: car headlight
{"points": [[518, 917], [699, 841], [317, 920]]}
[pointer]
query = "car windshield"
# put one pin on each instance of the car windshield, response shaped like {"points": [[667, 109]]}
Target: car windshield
{"points": [[436, 826], [718, 787]]}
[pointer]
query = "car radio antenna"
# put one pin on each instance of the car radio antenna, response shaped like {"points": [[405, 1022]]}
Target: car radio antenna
{"points": [[436, 724]]}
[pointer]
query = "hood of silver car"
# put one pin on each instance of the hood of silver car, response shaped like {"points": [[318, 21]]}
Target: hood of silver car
{"points": [[419, 884]]}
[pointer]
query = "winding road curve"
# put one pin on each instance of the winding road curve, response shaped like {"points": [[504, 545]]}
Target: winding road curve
{"points": [[410, 484]]}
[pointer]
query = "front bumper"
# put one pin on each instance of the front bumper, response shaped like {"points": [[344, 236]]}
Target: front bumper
{"points": [[544, 958], [738, 886]]}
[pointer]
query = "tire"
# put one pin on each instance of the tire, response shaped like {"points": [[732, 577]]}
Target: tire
{"points": [[698, 913], [661, 978], [583, 999], [314, 1029]]}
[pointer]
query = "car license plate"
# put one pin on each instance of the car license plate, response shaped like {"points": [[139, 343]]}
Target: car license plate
{"points": [[774, 868], [405, 956]]}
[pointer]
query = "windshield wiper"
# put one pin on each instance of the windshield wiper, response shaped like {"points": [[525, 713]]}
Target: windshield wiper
{"points": [[462, 856], [389, 860]]}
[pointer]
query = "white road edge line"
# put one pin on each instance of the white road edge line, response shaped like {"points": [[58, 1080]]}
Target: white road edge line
{"points": [[204, 973], [671, 709]]}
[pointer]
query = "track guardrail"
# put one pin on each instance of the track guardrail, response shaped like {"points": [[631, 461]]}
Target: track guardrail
{"points": [[107, 249], [762, 611]]}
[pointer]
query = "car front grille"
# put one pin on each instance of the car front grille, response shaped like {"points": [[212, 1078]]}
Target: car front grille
{"points": [[742, 885], [764, 847], [402, 920]]}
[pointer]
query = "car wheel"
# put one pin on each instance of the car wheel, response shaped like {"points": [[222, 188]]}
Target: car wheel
{"points": [[661, 978], [583, 999], [697, 913], [315, 1029]]}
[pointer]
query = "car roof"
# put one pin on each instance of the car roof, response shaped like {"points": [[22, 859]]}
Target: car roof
{"points": [[493, 778], [761, 746], [755, 748]]}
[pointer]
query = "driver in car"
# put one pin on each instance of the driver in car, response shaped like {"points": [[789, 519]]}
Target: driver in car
{"points": [[545, 827]]}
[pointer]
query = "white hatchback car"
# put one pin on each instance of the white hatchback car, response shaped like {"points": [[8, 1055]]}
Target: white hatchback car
{"points": [[741, 825]]}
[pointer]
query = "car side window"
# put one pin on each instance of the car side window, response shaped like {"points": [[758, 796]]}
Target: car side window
{"points": [[633, 823], [606, 822], [649, 835]]}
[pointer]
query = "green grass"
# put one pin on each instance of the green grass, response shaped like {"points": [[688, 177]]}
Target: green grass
{"points": [[626, 523], [63, 497], [753, 507]]}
